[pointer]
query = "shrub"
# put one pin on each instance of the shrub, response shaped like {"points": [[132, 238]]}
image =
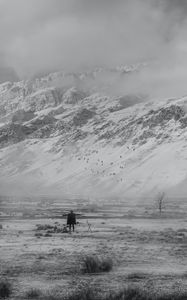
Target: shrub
{"points": [[33, 294], [94, 264], [5, 289]]}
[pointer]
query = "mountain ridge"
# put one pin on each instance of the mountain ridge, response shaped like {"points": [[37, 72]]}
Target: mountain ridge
{"points": [[65, 139]]}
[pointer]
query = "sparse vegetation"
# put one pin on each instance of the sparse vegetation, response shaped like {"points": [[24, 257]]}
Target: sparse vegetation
{"points": [[129, 293], [83, 294], [47, 230], [33, 294], [137, 293], [95, 264], [5, 289], [137, 276]]}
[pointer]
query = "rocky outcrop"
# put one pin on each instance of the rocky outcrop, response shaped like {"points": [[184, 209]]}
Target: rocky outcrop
{"points": [[73, 96], [21, 116], [82, 117]]}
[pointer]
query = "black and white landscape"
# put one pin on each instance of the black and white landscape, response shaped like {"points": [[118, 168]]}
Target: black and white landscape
{"points": [[93, 118]]}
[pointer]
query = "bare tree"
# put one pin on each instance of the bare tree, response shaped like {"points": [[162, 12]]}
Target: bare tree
{"points": [[160, 202]]}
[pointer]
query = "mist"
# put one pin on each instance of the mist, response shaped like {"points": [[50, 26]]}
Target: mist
{"points": [[75, 35]]}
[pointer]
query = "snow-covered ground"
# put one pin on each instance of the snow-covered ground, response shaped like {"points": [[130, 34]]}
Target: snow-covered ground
{"points": [[63, 140]]}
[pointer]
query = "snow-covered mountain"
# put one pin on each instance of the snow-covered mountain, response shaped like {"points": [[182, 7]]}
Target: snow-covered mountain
{"points": [[58, 137]]}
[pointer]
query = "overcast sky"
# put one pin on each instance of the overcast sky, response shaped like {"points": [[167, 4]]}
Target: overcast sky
{"points": [[39, 35]]}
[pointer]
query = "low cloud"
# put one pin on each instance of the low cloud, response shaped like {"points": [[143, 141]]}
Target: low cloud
{"points": [[44, 35]]}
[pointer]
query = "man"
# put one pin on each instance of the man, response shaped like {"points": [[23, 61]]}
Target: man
{"points": [[71, 220]]}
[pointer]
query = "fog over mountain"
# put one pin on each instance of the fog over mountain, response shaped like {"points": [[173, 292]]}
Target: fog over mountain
{"points": [[8, 74], [43, 35]]}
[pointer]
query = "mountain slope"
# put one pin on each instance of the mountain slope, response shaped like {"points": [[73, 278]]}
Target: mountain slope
{"points": [[66, 140]]}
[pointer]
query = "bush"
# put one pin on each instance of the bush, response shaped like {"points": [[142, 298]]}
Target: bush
{"points": [[94, 264], [33, 294], [5, 289]]}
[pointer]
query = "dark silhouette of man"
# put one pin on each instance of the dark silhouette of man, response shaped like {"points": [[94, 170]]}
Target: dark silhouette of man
{"points": [[71, 220]]}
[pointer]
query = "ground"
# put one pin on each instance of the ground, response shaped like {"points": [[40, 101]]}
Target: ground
{"points": [[146, 248]]}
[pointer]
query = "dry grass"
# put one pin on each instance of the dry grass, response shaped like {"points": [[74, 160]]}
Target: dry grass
{"points": [[83, 294], [136, 293], [95, 264], [138, 276], [129, 293]]}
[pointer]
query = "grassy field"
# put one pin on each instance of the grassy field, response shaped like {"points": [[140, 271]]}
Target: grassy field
{"points": [[139, 249]]}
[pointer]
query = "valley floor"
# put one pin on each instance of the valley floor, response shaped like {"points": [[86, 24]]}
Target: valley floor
{"points": [[146, 251]]}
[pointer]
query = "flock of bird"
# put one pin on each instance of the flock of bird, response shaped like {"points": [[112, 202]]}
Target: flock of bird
{"points": [[102, 167]]}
